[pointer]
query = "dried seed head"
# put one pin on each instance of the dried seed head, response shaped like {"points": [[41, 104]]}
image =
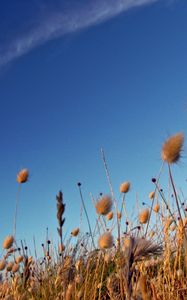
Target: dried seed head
{"points": [[156, 208], [124, 187], [2, 264], [144, 216], [8, 241], [9, 266], [104, 205], [19, 259], [15, 268], [171, 149], [105, 240], [151, 195], [75, 232], [109, 216], [22, 176]]}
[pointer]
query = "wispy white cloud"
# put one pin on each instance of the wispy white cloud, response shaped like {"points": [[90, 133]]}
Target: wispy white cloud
{"points": [[63, 21]]}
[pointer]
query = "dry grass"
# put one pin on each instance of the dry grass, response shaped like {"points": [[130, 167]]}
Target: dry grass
{"points": [[140, 259]]}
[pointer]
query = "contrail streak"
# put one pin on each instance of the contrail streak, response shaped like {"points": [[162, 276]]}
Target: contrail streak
{"points": [[61, 22]]}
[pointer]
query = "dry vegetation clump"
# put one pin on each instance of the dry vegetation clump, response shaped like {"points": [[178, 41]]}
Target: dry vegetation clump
{"points": [[106, 241], [22, 176], [104, 205], [124, 187], [142, 257], [171, 150], [144, 216]]}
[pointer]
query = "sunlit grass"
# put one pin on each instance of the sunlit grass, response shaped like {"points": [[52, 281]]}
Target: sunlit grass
{"points": [[144, 258]]}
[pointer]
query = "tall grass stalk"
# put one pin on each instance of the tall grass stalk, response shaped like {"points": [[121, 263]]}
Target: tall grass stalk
{"points": [[112, 193], [88, 221], [16, 211]]}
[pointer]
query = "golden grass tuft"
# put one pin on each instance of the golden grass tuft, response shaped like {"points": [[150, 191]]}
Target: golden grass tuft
{"points": [[9, 266], [156, 208], [104, 205], [144, 216], [15, 268], [22, 176], [75, 232], [19, 259], [171, 149], [132, 261], [8, 242], [106, 241], [124, 187], [2, 264], [151, 195]]}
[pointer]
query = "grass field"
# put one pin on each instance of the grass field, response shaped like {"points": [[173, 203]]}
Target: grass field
{"points": [[118, 258]]}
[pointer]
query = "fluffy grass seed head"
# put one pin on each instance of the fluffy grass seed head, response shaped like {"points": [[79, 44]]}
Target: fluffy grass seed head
{"points": [[9, 266], [151, 195], [171, 149], [124, 187], [22, 176], [75, 232], [156, 208], [15, 268], [144, 216], [2, 264], [106, 240], [8, 241], [104, 205], [19, 259]]}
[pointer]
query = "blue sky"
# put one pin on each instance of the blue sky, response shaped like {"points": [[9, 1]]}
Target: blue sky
{"points": [[78, 76]]}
